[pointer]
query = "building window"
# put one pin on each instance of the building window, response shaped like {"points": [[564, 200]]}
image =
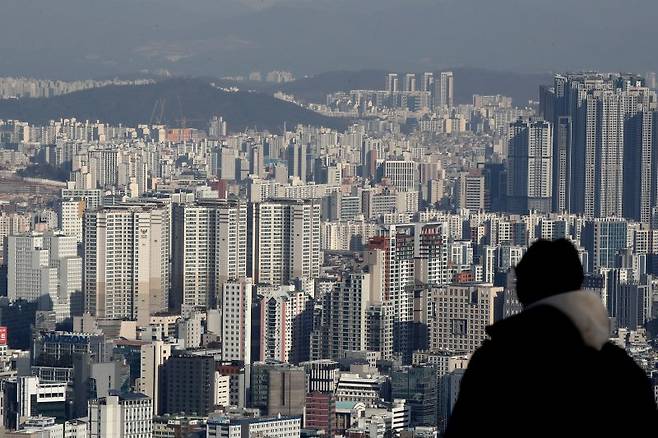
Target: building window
{"points": [[459, 327]]}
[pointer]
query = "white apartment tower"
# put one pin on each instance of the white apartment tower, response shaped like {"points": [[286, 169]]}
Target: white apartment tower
{"points": [[71, 217], [392, 83], [445, 92], [27, 268], [286, 241], [235, 303], [11, 223], [410, 82], [126, 262], [285, 315], [152, 356], [45, 268], [209, 248], [428, 81]]}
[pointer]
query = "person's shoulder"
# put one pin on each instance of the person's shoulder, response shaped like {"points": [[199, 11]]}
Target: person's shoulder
{"points": [[629, 382], [614, 361], [532, 322], [613, 350], [617, 357]]}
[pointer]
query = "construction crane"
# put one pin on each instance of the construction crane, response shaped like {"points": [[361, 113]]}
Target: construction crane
{"points": [[158, 109], [182, 120]]}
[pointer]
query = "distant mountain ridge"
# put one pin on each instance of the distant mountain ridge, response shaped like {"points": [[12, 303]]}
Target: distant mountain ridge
{"points": [[521, 87], [191, 102]]}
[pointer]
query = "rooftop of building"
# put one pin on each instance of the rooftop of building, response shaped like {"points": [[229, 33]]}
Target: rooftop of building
{"points": [[346, 405], [127, 396], [239, 420]]}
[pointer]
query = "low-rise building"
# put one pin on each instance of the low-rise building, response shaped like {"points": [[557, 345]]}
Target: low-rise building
{"points": [[226, 426]]}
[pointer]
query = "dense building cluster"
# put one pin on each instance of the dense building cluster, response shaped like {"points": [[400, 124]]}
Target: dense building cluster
{"points": [[34, 88], [312, 282]]}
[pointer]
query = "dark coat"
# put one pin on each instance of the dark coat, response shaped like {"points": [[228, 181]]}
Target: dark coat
{"points": [[536, 377]]}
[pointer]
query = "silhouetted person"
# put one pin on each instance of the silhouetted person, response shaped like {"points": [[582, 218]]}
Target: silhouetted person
{"points": [[550, 370]]}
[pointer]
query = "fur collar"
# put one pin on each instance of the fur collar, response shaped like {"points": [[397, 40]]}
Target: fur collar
{"points": [[586, 312]]}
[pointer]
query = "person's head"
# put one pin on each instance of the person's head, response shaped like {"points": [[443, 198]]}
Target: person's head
{"points": [[548, 268]]}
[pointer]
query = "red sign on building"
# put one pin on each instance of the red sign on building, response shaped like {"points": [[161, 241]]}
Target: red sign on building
{"points": [[3, 335]]}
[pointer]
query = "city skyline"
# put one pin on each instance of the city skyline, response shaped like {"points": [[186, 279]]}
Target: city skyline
{"points": [[324, 218]]}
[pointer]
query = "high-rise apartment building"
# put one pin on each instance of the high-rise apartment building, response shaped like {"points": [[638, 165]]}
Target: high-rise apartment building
{"points": [[11, 223], [470, 191], [45, 268], [603, 144], [411, 253], [604, 152], [257, 160], [287, 242], [640, 158], [236, 320], [152, 356], [633, 303], [349, 303], [285, 324], [126, 262], [297, 157], [224, 160], [410, 82], [209, 247], [392, 83], [562, 154], [217, 127], [103, 166], [604, 238], [529, 166], [428, 82], [26, 258], [444, 96], [71, 217], [380, 329]]}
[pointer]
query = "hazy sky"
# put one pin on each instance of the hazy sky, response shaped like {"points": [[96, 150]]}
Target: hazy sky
{"points": [[96, 38]]}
